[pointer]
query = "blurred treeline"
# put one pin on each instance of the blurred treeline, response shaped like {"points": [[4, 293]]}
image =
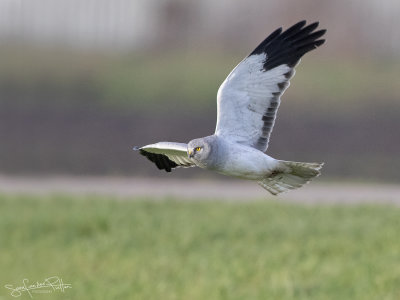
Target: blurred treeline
{"points": [[83, 82]]}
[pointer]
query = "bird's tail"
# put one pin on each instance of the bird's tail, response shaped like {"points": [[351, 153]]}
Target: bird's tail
{"points": [[291, 176]]}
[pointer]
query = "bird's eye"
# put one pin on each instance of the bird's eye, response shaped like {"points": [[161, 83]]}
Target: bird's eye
{"points": [[198, 149]]}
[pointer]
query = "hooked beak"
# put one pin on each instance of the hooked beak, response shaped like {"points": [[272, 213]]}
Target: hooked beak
{"points": [[190, 153]]}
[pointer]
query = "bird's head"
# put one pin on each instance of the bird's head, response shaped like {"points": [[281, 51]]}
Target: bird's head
{"points": [[200, 150], [196, 148]]}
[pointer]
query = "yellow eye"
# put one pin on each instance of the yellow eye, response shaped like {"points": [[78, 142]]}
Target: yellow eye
{"points": [[198, 149]]}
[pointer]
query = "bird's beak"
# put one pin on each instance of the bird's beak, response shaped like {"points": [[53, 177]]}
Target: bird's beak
{"points": [[190, 153]]}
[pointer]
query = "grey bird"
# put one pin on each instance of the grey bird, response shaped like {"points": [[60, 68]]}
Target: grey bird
{"points": [[247, 103]]}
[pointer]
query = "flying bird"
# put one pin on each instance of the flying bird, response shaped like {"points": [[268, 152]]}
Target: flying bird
{"points": [[247, 103]]}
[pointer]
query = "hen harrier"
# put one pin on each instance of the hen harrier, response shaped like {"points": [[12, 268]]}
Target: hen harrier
{"points": [[247, 103]]}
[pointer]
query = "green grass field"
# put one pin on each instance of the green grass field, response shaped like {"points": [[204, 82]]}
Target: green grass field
{"points": [[175, 249]]}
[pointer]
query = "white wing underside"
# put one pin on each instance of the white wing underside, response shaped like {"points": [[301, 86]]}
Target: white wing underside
{"points": [[177, 152], [248, 100]]}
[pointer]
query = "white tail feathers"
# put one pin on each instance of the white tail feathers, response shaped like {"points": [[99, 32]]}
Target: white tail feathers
{"points": [[292, 176]]}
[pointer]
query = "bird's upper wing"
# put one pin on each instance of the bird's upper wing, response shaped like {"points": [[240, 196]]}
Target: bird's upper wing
{"points": [[167, 155], [249, 97]]}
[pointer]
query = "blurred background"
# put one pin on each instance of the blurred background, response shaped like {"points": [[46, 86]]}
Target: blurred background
{"points": [[82, 81]]}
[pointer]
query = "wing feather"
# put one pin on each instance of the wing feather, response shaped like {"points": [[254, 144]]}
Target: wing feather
{"points": [[166, 155], [249, 97]]}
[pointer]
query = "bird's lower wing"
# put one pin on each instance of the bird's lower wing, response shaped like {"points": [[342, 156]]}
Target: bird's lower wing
{"points": [[167, 155], [249, 97]]}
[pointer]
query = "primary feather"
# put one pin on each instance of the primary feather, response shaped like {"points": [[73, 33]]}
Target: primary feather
{"points": [[167, 155]]}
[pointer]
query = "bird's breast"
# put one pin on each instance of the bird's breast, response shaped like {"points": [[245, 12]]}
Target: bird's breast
{"points": [[245, 162]]}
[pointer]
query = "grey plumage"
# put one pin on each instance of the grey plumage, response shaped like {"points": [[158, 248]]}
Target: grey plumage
{"points": [[247, 103]]}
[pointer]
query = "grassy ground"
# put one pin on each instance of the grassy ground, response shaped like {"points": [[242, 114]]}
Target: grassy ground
{"points": [[109, 249]]}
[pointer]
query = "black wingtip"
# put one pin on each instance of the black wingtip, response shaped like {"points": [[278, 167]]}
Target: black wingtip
{"points": [[160, 160], [314, 25], [272, 36], [289, 46], [294, 28]]}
